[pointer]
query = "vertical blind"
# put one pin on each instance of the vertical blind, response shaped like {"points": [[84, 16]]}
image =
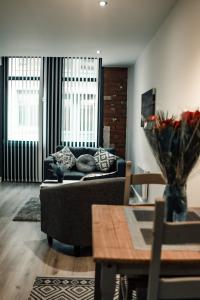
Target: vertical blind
{"points": [[21, 127], [80, 102], [67, 115], [52, 103]]}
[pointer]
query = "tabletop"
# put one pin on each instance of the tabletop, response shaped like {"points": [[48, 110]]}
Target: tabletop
{"points": [[112, 239]]}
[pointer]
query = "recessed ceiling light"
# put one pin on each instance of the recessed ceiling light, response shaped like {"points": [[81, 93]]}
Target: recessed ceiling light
{"points": [[98, 51], [103, 3]]}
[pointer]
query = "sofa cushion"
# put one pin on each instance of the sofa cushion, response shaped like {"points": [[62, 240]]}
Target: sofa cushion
{"points": [[85, 163], [104, 160], [77, 151], [65, 157]]}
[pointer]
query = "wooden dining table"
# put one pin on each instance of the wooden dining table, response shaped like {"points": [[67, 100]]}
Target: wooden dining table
{"points": [[122, 245]]}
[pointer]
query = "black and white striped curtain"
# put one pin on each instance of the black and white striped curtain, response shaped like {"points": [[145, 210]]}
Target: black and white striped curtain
{"points": [[47, 102], [21, 104], [52, 104], [1, 116]]}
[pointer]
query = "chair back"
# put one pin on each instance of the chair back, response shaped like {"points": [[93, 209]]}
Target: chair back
{"points": [[187, 287], [147, 178]]}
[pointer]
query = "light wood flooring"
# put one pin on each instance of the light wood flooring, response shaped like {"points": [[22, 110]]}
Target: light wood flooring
{"points": [[24, 251]]}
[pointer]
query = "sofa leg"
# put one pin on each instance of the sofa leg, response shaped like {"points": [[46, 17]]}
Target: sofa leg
{"points": [[77, 251], [50, 240]]}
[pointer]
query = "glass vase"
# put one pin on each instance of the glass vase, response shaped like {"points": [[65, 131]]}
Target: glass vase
{"points": [[60, 179], [175, 202]]}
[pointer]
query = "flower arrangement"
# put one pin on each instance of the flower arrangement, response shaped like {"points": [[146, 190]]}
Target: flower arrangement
{"points": [[176, 147]]}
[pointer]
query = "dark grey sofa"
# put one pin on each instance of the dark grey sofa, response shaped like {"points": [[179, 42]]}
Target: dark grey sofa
{"points": [[66, 209], [74, 174]]}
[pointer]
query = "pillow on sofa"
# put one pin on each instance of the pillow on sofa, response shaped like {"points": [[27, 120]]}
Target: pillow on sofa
{"points": [[85, 163], [104, 160], [65, 157]]}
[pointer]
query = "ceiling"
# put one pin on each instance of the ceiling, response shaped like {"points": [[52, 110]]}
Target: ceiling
{"points": [[80, 27]]}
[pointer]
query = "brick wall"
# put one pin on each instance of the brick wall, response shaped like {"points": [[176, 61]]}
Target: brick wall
{"points": [[115, 101]]}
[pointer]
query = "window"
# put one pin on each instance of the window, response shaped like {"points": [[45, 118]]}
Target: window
{"points": [[23, 98], [80, 102]]}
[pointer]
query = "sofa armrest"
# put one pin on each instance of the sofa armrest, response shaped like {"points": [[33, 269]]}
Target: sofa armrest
{"points": [[120, 167]]}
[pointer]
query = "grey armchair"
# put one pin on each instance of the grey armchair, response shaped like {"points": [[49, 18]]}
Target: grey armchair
{"points": [[66, 209]]}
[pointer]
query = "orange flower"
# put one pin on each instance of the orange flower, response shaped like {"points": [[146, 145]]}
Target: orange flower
{"points": [[152, 118]]}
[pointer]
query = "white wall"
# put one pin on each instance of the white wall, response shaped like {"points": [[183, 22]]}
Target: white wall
{"points": [[171, 64]]}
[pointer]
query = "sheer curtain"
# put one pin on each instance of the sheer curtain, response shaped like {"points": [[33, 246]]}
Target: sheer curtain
{"points": [[22, 159], [80, 102]]}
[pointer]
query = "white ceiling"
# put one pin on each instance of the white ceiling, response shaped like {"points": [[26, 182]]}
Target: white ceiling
{"points": [[80, 27]]}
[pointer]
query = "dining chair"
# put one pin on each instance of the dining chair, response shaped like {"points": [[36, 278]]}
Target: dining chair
{"points": [[128, 283], [134, 179], [164, 233]]}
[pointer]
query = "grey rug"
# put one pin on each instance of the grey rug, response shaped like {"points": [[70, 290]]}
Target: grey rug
{"points": [[30, 211], [59, 288]]}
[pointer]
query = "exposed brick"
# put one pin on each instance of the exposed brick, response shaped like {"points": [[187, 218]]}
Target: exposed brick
{"points": [[115, 86]]}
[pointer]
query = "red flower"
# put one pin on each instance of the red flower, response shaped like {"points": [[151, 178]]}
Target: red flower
{"points": [[168, 121], [177, 124], [197, 115], [187, 115], [191, 117]]}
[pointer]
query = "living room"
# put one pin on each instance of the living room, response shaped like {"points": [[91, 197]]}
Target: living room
{"points": [[132, 47]]}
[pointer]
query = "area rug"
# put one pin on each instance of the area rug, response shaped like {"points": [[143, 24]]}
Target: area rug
{"points": [[30, 211], [56, 288]]}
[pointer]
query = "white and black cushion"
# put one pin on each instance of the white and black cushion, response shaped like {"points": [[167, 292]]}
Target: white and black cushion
{"points": [[85, 163], [65, 157], [104, 160]]}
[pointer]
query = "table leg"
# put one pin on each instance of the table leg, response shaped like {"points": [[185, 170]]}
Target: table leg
{"points": [[141, 293], [108, 281], [97, 288]]}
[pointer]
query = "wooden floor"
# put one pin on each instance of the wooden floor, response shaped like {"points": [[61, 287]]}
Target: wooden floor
{"points": [[24, 252]]}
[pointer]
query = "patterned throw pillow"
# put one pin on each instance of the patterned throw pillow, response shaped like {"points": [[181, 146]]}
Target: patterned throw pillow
{"points": [[65, 157], [104, 160]]}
